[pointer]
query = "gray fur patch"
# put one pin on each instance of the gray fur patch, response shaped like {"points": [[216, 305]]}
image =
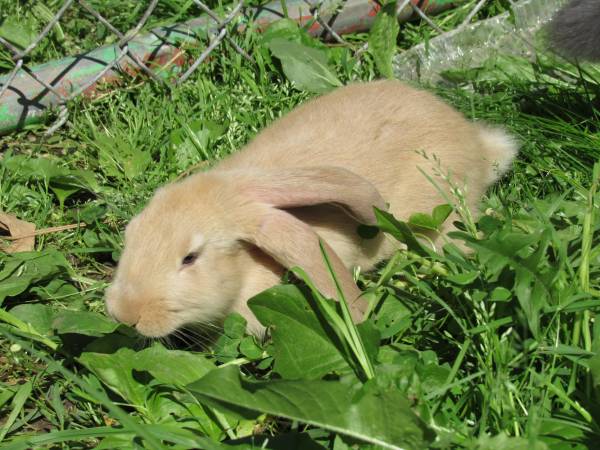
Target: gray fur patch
{"points": [[575, 30]]}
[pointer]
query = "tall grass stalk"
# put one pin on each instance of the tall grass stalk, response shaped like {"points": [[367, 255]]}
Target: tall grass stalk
{"points": [[344, 325]]}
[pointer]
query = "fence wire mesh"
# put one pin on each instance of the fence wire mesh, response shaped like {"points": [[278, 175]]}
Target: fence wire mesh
{"points": [[27, 89]]}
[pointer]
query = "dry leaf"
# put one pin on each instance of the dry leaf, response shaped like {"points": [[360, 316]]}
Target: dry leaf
{"points": [[12, 227]]}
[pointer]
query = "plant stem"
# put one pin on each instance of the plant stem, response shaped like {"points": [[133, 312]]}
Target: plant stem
{"points": [[583, 320]]}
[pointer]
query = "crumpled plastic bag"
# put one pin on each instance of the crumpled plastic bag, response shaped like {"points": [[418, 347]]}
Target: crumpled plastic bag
{"points": [[470, 46]]}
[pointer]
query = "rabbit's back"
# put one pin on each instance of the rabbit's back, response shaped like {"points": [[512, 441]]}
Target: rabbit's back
{"points": [[378, 130], [399, 138]]}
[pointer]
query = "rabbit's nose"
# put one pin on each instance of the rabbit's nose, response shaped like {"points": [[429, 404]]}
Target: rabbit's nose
{"points": [[128, 315], [123, 311]]}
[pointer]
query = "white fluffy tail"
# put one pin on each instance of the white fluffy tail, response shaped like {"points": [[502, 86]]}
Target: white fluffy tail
{"points": [[501, 148]]}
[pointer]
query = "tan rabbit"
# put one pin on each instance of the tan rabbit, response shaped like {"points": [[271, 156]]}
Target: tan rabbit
{"points": [[204, 245]]}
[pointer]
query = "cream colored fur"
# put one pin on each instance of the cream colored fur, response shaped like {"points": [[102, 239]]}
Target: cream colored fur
{"points": [[314, 173]]}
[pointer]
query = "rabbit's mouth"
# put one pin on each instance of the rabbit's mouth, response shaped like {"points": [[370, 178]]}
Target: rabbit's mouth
{"points": [[158, 326], [155, 321]]}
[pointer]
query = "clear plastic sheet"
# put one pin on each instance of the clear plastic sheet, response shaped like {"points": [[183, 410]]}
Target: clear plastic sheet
{"points": [[512, 33]]}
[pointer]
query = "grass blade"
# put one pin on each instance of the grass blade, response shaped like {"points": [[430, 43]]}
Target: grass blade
{"points": [[18, 402]]}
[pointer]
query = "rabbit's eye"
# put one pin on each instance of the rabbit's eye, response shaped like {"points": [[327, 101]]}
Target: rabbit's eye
{"points": [[189, 259]]}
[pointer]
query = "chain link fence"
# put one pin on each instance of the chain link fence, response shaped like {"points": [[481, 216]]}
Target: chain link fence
{"points": [[28, 90]]}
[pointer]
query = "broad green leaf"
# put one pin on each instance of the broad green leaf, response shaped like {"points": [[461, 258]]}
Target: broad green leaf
{"points": [[289, 30], [119, 158], [60, 179], [382, 39], [400, 230], [185, 438], [307, 67], [227, 346], [33, 267], [432, 375], [392, 317], [398, 368], [302, 347], [500, 294], [499, 249], [250, 349], [82, 322], [14, 286], [205, 419], [234, 326], [226, 349], [531, 295], [370, 336], [464, 278], [9, 264], [97, 241], [91, 212], [523, 253], [56, 288], [24, 329], [122, 442], [160, 363], [136, 164], [38, 315], [116, 369], [562, 435], [5, 395], [489, 224], [110, 343], [423, 220], [441, 213], [27, 167], [285, 28], [368, 413], [66, 185], [404, 361], [161, 406], [46, 319], [431, 222]]}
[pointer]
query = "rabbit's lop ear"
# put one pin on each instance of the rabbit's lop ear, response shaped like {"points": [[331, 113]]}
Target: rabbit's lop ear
{"points": [[292, 242], [308, 186]]}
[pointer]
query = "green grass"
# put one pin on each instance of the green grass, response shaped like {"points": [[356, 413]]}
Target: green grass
{"points": [[498, 350]]}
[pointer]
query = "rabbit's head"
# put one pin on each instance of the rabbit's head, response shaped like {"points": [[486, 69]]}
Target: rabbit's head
{"points": [[203, 245]]}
